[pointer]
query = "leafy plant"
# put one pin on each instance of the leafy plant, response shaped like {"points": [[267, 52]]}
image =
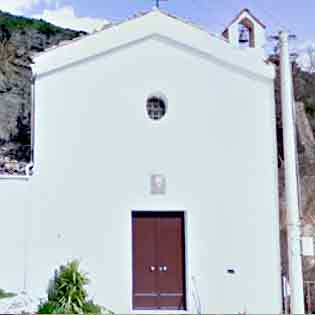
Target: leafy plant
{"points": [[67, 293], [91, 308], [47, 308]]}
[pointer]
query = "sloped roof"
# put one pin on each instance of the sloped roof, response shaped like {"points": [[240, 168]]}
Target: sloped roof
{"points": [[133, 17], [157, 25]]}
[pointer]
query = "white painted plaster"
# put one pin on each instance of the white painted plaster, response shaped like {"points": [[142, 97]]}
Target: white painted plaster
{"points": [[95, 149]]}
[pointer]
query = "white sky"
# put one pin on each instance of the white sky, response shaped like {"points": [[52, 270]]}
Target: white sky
{"points": [[64, 16]]}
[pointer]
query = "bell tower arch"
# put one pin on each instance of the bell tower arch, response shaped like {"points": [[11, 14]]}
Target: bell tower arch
{"points": [[246, 31]]}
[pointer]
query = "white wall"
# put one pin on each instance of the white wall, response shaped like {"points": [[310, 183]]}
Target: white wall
{"points": [[15, 203], [95, 151]]}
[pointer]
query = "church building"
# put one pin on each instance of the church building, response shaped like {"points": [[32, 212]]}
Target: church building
{"points": [[155, 165]]}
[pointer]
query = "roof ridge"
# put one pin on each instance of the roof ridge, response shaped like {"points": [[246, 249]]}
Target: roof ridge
{"points": [[131, 18]]}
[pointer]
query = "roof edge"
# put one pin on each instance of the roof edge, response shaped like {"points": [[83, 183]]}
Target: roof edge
{"points": [[131, 18], [251, 14]]}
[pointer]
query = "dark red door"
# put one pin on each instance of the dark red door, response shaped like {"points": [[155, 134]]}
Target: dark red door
{"points": [[158, 260]]}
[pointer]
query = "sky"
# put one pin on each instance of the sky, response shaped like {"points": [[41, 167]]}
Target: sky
{"points": [[88, 15]]}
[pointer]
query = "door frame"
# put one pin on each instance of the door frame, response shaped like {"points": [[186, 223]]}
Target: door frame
{"points": [[186, 265]]}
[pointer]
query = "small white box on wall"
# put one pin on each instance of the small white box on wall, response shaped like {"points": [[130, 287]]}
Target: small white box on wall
{"points": [[308, 246]]}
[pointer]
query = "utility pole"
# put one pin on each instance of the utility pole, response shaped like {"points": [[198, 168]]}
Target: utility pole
{"points": [[291, 178]]}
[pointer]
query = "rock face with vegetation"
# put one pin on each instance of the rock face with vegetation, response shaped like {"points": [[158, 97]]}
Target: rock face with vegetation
{"points": [[304, 83], [20, 38], [304, 90]]}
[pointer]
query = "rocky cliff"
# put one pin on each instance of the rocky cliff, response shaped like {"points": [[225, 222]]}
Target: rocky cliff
{"points": [[304, 90], [19, 38]]}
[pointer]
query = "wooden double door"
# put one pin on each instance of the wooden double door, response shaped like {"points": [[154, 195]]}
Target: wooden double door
{"points": [[158, 260]]}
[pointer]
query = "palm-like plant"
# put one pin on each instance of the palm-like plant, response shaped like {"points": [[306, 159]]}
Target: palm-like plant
{"points": [[67, 293], [69, 289]]}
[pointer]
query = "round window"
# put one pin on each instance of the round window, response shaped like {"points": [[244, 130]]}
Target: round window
{"points": [[156, 107]]}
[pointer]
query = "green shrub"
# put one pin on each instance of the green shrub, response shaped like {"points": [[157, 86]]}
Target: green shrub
{"points": [[47, 308], [67, 293], [91, 308]]}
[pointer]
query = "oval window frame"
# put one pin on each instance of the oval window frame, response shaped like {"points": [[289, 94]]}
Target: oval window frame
{"points": [[161, 97]]}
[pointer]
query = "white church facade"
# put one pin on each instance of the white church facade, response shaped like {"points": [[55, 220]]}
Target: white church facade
{"points": [[155, 165]]}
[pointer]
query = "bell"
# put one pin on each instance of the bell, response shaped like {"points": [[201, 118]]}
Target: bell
{"points": [[243, 39]]}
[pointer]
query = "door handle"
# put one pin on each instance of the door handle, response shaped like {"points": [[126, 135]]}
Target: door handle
{"points": [[152, 268], [163, 268]]}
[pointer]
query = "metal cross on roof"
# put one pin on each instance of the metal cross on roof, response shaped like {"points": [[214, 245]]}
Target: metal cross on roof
{"points": [[157, 3]]}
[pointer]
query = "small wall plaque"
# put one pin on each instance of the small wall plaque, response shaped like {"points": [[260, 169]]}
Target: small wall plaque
{"points": [[158, 184]]}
